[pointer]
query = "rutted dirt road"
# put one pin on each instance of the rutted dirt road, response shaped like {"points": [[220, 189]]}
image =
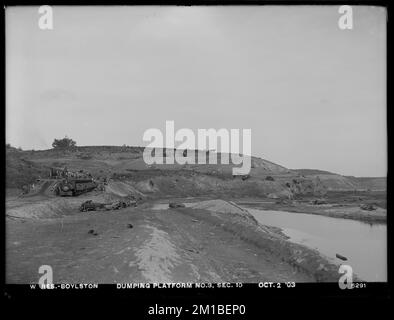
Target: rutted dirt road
{"points": [[136, 245]]}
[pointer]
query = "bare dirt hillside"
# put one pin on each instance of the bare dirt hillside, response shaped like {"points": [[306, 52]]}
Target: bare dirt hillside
{"points": [[126, 164]]}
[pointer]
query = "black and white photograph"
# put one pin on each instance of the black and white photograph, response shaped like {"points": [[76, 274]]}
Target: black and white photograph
{"points": [[202, 146]]}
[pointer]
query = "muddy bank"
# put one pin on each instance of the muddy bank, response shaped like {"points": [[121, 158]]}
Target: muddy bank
{"points": [[232, 218]]}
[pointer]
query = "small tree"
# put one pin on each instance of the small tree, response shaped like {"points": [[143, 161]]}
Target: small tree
{"points": [[64, 143]]}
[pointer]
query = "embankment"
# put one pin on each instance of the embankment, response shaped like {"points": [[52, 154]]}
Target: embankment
{"points": [[38, 207], [241, 223]]}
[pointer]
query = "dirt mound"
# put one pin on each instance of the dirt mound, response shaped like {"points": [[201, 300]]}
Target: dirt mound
{"points": [[37, 207], [123, 189], [42, 210], [232, 214]]}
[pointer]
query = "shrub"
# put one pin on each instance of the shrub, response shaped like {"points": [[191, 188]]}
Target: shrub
{"points": [[64, 143]]}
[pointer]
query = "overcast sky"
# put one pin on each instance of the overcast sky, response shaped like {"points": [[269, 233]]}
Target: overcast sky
{"points": [[314, 95]]}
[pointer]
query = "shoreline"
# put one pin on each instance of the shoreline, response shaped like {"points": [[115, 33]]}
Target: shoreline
{"points": [[342, 212], [334, 209], [271, 239]]}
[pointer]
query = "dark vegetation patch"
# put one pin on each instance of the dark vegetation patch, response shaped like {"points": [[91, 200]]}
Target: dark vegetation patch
{"points": [[20, 171]]}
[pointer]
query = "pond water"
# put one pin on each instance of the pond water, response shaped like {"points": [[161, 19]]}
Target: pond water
{"points": [[363, 244]]}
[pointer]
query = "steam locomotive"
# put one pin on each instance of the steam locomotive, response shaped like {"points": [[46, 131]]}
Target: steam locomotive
{"points": [[74, 187]]}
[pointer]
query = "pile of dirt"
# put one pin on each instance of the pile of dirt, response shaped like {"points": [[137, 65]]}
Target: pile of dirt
{"points": [[36, 207], [52, 208]]}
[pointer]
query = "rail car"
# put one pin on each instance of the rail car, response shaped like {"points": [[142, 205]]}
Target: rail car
{"points": [[74, 187]]}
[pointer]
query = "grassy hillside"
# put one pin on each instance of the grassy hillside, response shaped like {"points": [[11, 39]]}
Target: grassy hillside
{"points": [[336, 182], [20, 170], [370, 183]]}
